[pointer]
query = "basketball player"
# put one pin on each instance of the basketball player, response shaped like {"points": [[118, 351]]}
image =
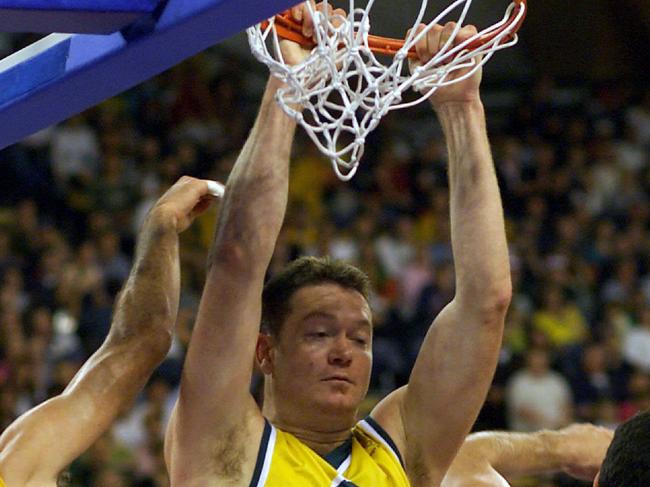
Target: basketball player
{"points": [[42, 442], [316, 340], [584, 451]]}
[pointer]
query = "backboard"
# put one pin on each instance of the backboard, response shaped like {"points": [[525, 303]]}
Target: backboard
{"points": [[125, 43], [47, 16]]}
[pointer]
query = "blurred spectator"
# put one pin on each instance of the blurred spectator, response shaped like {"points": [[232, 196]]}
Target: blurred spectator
{"points": [[638, 117], [134, 431], [395, 247], [575, 181], [538, 397], [636, 343], [596, 383], [75, 152], [81, 275], [112, 261], [558, 319]]}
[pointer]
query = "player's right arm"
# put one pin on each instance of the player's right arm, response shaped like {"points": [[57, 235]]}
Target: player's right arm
{"points": [[216, 426], [42, 442], [430, 417], [215, 413], [488, 459]]}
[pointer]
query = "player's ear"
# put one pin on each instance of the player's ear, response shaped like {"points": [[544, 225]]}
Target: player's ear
{"points": [[263, 354], [596, 479]]}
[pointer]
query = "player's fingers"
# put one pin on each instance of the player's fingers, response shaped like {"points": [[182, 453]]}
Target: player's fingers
{"points": [[307, 25], [184, 194], [326, 10], [467, 32], [464, 35], [432, 41], [296, 12], [321, 8], [330, 12], [190, 185], [308, 20], [338, 17], [207, 192], [202, 205], [413, 63], [422, 45], [190, 189], [446, 33]]}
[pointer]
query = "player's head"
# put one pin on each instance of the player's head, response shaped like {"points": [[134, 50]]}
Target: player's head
{"points": [[627, 463], [303, 272], [316, 337]]}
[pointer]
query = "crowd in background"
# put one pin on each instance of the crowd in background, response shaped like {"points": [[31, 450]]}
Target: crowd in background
{"points": [[575, 181]]}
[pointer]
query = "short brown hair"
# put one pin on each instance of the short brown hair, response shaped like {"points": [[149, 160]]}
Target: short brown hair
{"points": [[305, 271], [628, 457]]}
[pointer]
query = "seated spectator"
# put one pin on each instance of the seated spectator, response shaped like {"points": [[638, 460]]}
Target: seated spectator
{"points": [[636, 343], [537, 397], [595, 382], [559, 319]]}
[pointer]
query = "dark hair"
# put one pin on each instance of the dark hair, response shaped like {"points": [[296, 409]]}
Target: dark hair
{"points": [[627, 463], [305, 271]]}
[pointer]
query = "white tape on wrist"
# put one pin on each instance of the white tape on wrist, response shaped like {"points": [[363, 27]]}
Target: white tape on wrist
{"points": [[216, 189]]}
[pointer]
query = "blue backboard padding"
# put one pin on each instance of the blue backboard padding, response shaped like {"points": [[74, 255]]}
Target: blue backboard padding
{"points": [[45, 22], [34, 71], [79, 16], [96, 5], [98, 67]]}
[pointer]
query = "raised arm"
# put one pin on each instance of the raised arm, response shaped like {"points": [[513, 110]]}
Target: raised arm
{"points": [[41, 443], [458, 357], [488, 459], [215, 407]]}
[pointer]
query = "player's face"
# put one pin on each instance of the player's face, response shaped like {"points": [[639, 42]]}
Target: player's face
{"points": [[324, 354]]}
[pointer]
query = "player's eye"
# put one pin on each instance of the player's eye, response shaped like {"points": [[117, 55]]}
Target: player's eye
{"points": [[317, 334]]}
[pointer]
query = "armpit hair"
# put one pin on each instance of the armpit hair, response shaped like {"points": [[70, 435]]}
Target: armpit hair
{"points": [[229, 453]]}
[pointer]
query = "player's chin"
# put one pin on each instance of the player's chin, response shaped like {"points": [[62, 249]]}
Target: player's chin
{"points": [[341, 405], [343, 398]]}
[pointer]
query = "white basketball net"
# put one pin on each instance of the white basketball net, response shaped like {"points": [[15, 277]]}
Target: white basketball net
{"points": [[344, 90]]}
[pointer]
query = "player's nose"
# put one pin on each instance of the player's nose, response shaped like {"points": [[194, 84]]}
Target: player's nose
{"points": [[340, 352]]}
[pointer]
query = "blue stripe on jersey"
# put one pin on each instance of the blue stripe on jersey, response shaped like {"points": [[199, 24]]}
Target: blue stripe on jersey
{"points": [[382, 432], [337, 456], [261, 454]]}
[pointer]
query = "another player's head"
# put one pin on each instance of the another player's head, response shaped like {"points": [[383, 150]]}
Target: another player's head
{"points": [[315, 345], [627, 463]]}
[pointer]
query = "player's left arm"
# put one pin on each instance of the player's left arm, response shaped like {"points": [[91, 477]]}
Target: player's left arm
{"points": [[42, 442], [488, 459], [431, 416]]}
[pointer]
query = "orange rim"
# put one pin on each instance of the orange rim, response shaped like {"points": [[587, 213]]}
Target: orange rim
{"points": [[288, 28]]}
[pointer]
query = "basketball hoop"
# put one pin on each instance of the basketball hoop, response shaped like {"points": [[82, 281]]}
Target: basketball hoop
{"points": [[342, 87]]}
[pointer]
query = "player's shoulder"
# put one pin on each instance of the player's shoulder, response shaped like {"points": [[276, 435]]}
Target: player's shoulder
{"points": [[227, 456], [371, 428], [387, 414]]}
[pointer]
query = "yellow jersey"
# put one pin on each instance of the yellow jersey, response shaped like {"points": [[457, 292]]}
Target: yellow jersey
{"points": [[2, 484], [368, 459]]}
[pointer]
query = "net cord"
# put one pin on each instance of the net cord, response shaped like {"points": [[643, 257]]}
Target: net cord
{"points": [[343, 64]]}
